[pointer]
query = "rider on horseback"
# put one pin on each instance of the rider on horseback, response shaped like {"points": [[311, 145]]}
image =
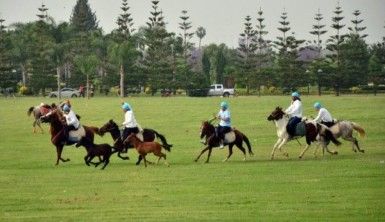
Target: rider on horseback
{"points": [[295, 113], [130, 124], [71, 120], [224, 123], [323, 116]]}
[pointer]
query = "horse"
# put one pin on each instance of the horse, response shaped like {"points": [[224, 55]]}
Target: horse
{"points": [[313, 132], [56, 120], [144, 148], [38, 111], [104, 150], [344, 129], [208, 132], [149, 135]]}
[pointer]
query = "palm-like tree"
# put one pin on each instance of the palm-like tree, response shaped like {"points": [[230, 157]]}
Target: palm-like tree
{"points": [[87, 66], [201, 33]]}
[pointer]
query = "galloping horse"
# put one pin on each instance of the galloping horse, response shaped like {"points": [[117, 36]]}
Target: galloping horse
{"points": [[149, 135], [38, 111], [345, 129], [144, 148], [208, 132], [313, 132], [56, 120]]}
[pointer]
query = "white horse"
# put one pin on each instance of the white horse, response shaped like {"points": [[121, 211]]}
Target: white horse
{"points": [[344, 129], [314, 132]]}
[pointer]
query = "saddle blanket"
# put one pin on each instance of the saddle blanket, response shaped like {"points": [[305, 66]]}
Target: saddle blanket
{"points": [[76, 135], [229, 137]]}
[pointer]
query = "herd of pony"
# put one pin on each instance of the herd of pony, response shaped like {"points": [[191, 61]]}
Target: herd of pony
{"points": [[145, 142]]}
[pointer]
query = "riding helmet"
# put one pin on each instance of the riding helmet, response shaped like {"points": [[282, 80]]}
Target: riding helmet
{"points": [[126, 106], [317, 105]]}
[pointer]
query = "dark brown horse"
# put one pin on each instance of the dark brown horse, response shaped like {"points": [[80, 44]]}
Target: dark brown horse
{"points": [[149, 135], [38, 111], [58, 138], [100, 150], [212, 140], [145, 148]]}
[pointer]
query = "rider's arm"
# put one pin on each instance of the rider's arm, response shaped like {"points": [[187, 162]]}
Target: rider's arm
{"points": [[319, 116]]}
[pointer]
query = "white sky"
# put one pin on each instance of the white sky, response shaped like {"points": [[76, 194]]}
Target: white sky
{"points": [[223, 19]]}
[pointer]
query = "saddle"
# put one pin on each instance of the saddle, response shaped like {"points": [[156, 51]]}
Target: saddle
{"points": [[300, 129], [44, 110], [229, 137], [76, 135]]}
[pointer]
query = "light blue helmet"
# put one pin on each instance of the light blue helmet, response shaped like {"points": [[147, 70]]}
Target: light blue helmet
{"points": [[224, 105], [317, 105], [66, 108], [295, 94], [126, 106]]}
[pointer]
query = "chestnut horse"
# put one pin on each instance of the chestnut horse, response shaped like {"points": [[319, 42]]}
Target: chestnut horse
{"points": [[144, 148], [208, 132], [57, 122], [149, 135]]}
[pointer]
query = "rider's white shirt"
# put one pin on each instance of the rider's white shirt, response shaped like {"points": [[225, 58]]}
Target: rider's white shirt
{"points": [[71, 119], [225, 118], [295, 109], [129, 120], [323, 116]]}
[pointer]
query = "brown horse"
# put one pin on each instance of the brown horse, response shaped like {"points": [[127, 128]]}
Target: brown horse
{"points": [[58, 138], [144, 148], [208, 132], [38, 111], [149, 135]]}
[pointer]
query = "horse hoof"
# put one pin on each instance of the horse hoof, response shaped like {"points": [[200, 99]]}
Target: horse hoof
{"points": [[225, 160], [244, 159], [300, 157], [335, 152], [362, 151]]}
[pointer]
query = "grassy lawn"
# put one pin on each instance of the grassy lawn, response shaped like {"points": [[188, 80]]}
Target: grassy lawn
{"points": [[346, 187]]}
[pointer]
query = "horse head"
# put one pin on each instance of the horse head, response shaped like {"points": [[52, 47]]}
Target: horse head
{"points": [[207, 129], [108, 127], [277, 114], [131, 139]]}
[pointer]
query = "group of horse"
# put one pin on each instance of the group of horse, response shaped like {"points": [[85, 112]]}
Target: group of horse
{"points": [[145, 141]]}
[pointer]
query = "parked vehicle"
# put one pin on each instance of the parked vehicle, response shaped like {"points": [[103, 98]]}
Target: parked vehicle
{"points": [[65, 92], [220, 90]]}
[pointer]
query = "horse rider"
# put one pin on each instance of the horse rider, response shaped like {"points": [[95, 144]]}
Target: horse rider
{"points": [[130, 125], [295, 113], [323, 116], [224, 125], [65, 102], [71, 120]]}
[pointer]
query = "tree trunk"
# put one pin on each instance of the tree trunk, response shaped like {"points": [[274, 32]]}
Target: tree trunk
{"points": [[319, 89], [88, 87], [23, 75], [58, 82], [121, 81]]}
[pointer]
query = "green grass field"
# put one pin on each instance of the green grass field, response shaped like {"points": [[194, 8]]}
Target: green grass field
{"points": [[346, 187]]}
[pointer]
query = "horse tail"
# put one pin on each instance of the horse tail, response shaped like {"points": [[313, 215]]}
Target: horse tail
{"points": [[164, 141], [247, 141], [359, 129], [329, 136], [30, 110]]}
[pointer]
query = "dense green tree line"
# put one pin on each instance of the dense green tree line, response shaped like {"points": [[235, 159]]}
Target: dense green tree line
{"points": [[44, 55]]}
